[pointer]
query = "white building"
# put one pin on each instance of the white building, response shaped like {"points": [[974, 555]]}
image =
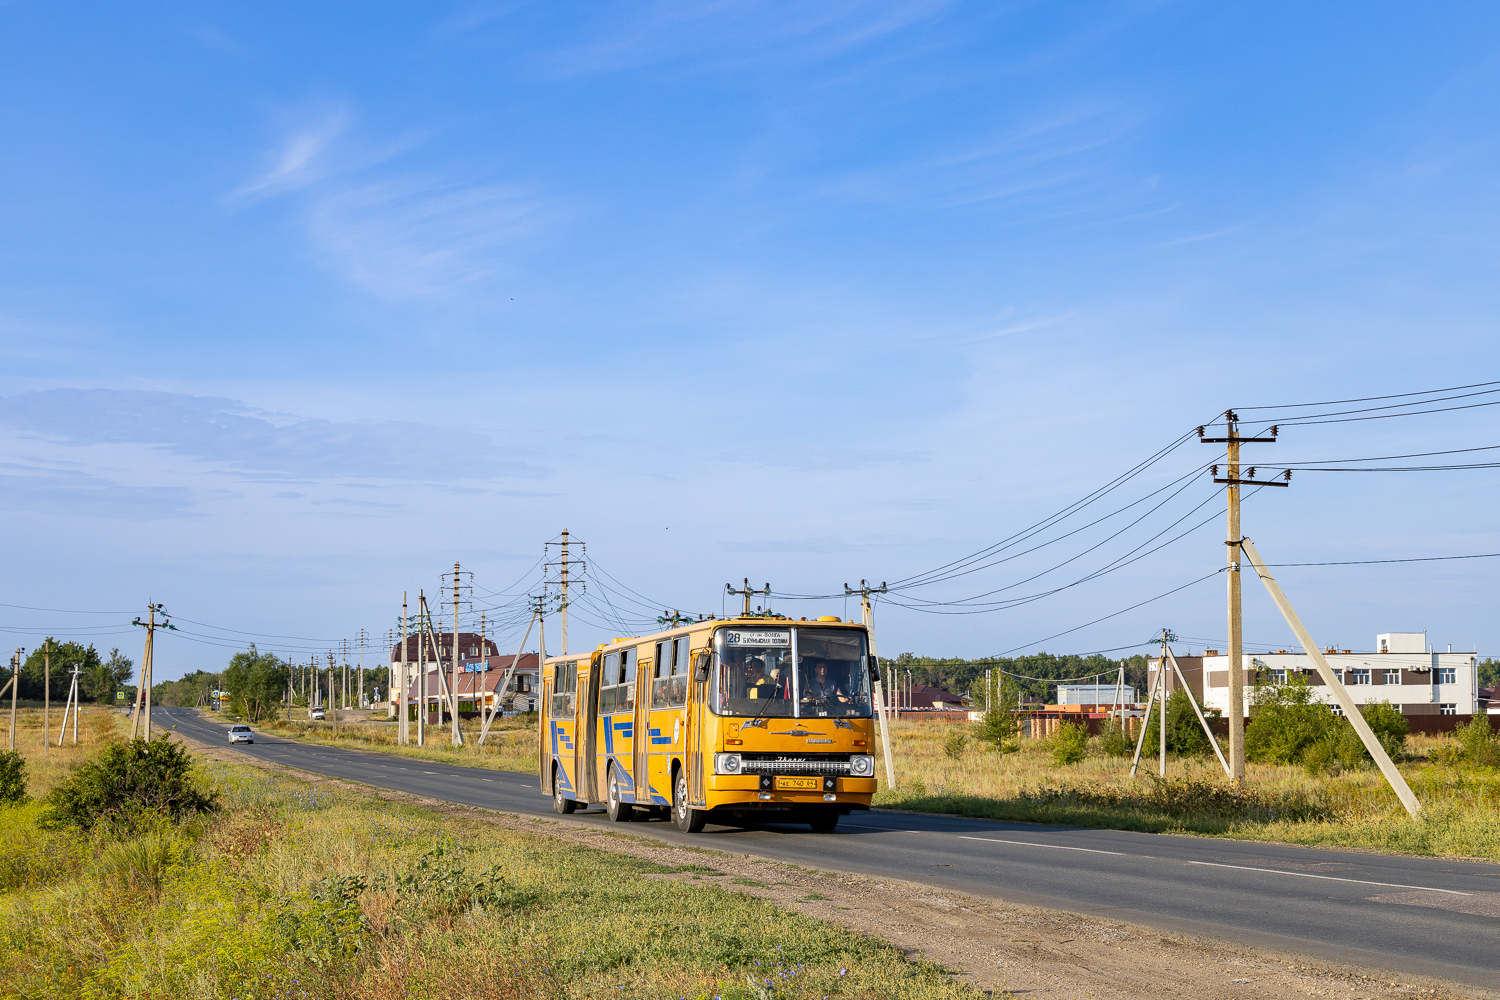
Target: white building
{"points": [[1403, 670], [1096, 694]]}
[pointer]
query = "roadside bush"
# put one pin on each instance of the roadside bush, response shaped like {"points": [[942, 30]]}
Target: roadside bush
{"points": [[1115, 741], [1185, 737], [1069, 744], [1474, 745], [12, 778], [127, 787], [1285, 722]]}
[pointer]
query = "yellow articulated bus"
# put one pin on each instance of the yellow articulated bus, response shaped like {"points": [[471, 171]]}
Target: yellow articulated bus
{"points": [[739, 721]]}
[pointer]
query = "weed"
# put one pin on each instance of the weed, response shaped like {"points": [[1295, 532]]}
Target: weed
{"points": [[127, 783]]}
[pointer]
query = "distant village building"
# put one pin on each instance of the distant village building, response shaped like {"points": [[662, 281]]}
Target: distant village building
{"points": [[1096, 694], [1403, 671], [481, 669]]}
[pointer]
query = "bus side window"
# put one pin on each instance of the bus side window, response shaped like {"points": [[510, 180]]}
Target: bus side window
{"points": [[626, 697]]}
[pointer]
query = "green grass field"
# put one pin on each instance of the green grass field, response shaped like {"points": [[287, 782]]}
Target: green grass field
{"points": [[295, 890]]}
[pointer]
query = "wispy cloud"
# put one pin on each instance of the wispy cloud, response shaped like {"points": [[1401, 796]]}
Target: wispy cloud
{"points": [[393, 232], [301, 159], [79, 494], [258, 445]]}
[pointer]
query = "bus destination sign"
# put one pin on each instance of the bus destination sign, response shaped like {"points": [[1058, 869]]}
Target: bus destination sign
{"points": [[760, 637]]}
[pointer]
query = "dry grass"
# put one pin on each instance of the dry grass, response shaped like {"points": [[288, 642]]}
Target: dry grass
{"points": [[1461, 810], [510, 746], [300, 890]]}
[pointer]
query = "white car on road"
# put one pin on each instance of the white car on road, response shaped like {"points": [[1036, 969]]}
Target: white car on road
{"points": [[241, 734]]}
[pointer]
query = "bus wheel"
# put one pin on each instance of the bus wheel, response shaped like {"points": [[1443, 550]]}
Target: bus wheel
{"points": [[559, 803], [688, 819], [619, 812], [824, 820]]}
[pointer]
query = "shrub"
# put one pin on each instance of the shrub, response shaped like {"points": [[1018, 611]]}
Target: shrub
{"points": [[1474, 744], [12, 778], [1285, 722], [1069, 744], [1389, 726], [1185, 736], [1115, 741], [125, 785], [956, 743]]}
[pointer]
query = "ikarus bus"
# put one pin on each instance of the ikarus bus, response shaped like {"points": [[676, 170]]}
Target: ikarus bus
{"points": [[746, 720]]}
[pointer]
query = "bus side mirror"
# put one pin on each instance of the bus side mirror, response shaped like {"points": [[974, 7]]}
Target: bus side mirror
{"points": [[700, 663], [873, 663]]}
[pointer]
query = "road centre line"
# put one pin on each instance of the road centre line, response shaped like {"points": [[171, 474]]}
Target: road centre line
{"points": [[1331, 878], [1055, 847]]}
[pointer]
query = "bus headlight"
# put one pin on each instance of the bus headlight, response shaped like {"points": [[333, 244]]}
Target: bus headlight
{"points": [[861, 766], [726, 763]]}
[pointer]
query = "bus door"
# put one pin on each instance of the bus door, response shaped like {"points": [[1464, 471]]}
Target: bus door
{"points": [[586, 738], [616, 726], [697, 794], [546, 733], [640, 769]]}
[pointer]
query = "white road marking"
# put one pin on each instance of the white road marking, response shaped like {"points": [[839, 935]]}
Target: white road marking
{"points": [[1055, 847], [1331, 878]]}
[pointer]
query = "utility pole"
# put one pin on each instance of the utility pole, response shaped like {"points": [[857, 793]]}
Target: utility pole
{"points": [[868, 615], [748, 593], [564, 609], [403, 726], [565, 575], [1233, 480], [457, 736], [361, 697], [422, 632], [150, 625], [14, 685], [47, 695]]}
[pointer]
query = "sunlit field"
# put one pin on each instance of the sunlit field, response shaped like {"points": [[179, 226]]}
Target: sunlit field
{"points": [[295, 890], [1461, 809]]}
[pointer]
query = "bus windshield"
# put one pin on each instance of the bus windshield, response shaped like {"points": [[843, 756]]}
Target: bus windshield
{"points": [[755, 674]]}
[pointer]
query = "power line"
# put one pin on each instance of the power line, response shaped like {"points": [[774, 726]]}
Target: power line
{"points": [[1371, 399]]}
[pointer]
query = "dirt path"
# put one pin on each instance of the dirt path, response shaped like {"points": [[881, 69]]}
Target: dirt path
{"points": [[1002, 948]]}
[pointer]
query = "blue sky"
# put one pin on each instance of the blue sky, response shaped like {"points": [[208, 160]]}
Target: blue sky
{"points": [[298, 308]]}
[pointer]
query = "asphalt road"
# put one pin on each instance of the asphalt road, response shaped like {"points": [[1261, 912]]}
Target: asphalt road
{"points": [[1305, 900]]}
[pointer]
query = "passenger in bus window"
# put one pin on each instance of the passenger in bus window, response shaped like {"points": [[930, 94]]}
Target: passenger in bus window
{"points": [[757, 684]]}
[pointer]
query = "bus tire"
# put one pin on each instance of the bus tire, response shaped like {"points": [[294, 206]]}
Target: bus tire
{"points": [[560, 803], [688, 819], [618, 811], [824, 820]]}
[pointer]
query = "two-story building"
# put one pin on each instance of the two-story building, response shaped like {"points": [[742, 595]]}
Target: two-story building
{"points": [[1403, 670]]}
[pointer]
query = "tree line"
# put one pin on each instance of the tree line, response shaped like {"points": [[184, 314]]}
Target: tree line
{"points": [[961, 676], [98, 678]]}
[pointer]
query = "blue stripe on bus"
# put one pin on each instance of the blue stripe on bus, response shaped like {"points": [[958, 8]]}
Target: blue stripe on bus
{"points": [[657, 739]]}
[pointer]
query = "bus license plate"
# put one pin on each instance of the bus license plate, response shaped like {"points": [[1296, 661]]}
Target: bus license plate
{"points": [[799, 784]]}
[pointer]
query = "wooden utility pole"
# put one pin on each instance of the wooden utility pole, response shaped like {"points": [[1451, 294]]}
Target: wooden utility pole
{"points": [[1233, 480]]}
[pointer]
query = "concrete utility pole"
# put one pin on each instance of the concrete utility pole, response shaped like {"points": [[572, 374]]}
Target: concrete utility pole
{"points": [[1333, 683], [868, 616], [457, 736], [403, 726], [14, 685], [421, 670], [144, 695], [47, 695], [564, 609], [360, 699], [1236, 633]]}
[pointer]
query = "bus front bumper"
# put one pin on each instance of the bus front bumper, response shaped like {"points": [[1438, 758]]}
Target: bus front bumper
{"points": [[751, 790]]}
